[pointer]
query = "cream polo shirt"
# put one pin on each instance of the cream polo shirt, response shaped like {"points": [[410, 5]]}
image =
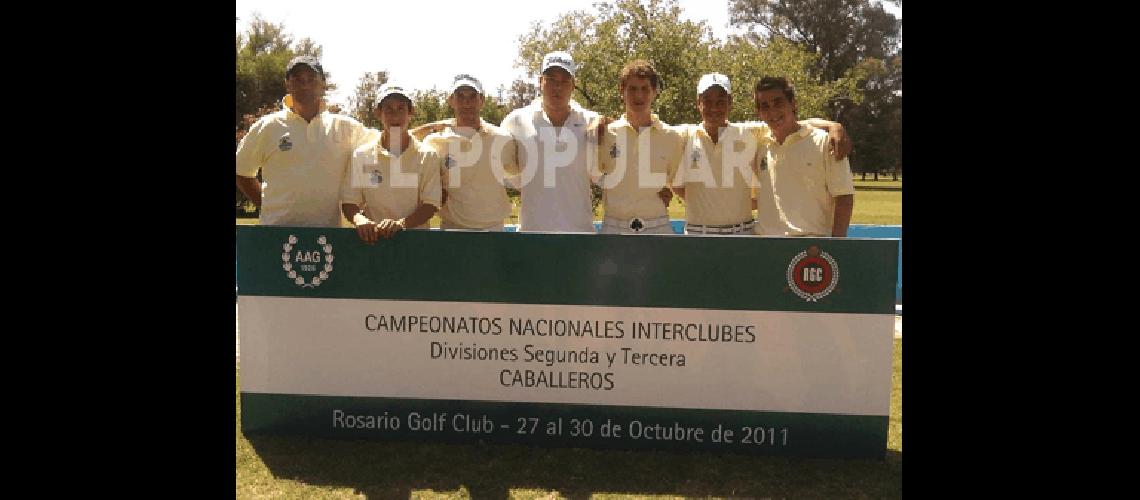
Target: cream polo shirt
{"points": [[555, 168], [799, 181], [717, 178], [389, 186], [302, 164], [473, 172], [637, 164]]}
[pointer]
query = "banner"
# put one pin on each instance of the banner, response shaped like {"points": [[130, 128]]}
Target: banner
{"points": [[779, 346]]}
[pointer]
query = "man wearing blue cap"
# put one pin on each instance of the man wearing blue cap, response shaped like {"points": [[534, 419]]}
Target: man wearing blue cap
{"points": [[302, 151]]}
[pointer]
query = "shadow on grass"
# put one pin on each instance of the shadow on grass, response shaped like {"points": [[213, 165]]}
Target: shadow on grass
{"points": [[396, 469]]}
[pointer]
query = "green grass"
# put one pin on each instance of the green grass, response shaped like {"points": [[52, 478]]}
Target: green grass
{"points": [[876, 202], [297, 467]]}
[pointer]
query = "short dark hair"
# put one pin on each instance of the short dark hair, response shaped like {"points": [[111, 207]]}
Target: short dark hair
{"points": [[776, 83], [639, 68]]}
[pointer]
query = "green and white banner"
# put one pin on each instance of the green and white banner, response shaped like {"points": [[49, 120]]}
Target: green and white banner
{"points": [[755, 345]]}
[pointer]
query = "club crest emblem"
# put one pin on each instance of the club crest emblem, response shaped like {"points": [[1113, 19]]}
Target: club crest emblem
{"points": [[812, 274], [285, 144], [449, 160], [307, 265], [615, 152]]}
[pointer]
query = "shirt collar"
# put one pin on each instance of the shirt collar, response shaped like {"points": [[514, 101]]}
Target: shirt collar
{"points": [[287, 104]]}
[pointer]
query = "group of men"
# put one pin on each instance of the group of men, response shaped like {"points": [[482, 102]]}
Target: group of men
{"points": [[318, 165]]}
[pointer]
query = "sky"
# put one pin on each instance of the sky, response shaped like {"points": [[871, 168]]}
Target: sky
{"points": [[423, 44]]}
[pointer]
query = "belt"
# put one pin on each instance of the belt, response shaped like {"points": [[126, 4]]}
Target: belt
{"points": [[636, 224], [720, 228]]}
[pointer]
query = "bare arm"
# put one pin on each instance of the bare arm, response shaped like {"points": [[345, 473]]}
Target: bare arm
{"points": [[251, 188], [841, 144], [428, 128], [843, 208], [365, 227], [422, 214]]}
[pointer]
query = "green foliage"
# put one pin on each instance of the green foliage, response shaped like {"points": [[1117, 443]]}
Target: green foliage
{"points": [[876, 124], [681, 51], [430, 105], [855, 40], [841, 32], [363, 101], [262, 53]]}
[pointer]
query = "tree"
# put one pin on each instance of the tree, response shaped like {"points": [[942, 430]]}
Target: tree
{"points": [[430, 105], [263, 51], [521, 94], [840, 32], [876, 124], [363, 101], [680, 50], [852, 39]]}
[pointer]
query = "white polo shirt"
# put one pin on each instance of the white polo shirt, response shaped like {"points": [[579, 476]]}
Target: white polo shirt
{"points": [[555, 168], [473, 172], [717, 178], [799, 181], [392, 186], [302, 164], [637, 164]]}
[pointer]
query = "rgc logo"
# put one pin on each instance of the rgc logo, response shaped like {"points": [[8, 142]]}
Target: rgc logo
{"points": [[813, 274]]}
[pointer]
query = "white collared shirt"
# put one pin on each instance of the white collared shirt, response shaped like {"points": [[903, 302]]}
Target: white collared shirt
{"points": [[555, 168]]}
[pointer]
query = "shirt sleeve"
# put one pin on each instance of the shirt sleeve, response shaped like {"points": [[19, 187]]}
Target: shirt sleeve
{"points": [[249, 152], [673, 158], [349, 192], [431, 190], [839, 180]]}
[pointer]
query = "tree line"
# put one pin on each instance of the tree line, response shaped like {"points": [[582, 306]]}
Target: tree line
{"points": [[844, 57]]}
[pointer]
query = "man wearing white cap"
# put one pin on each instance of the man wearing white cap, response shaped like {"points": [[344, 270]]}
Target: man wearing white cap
{"points": [[716, 176], [302, 151], [477, 157], [393, 181], [553, 144]]}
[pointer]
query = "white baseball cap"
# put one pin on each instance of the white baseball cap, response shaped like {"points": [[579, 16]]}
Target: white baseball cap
{"points": [[710, 79], [465, 80], [561, 59], [388, 89]]}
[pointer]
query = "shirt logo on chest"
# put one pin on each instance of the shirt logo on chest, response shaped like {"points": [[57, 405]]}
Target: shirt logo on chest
{"points": [[285, 144], [615, 152], [449, 160]]}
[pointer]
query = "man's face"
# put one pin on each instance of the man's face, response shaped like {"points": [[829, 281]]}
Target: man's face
{"points": [[556, 85], [305, 84], [394, 111], [638, 94], [466, 103], [714, 105], [774, 108]]}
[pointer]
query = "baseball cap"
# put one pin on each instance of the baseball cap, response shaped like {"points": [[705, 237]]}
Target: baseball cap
{"points": [[465, 80], [710, 79], [560, 59], [391, 89], [309, 61]]}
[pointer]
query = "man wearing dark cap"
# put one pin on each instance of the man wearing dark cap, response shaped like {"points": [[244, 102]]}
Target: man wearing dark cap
{"points": [[554, 134], [302, 151]]}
